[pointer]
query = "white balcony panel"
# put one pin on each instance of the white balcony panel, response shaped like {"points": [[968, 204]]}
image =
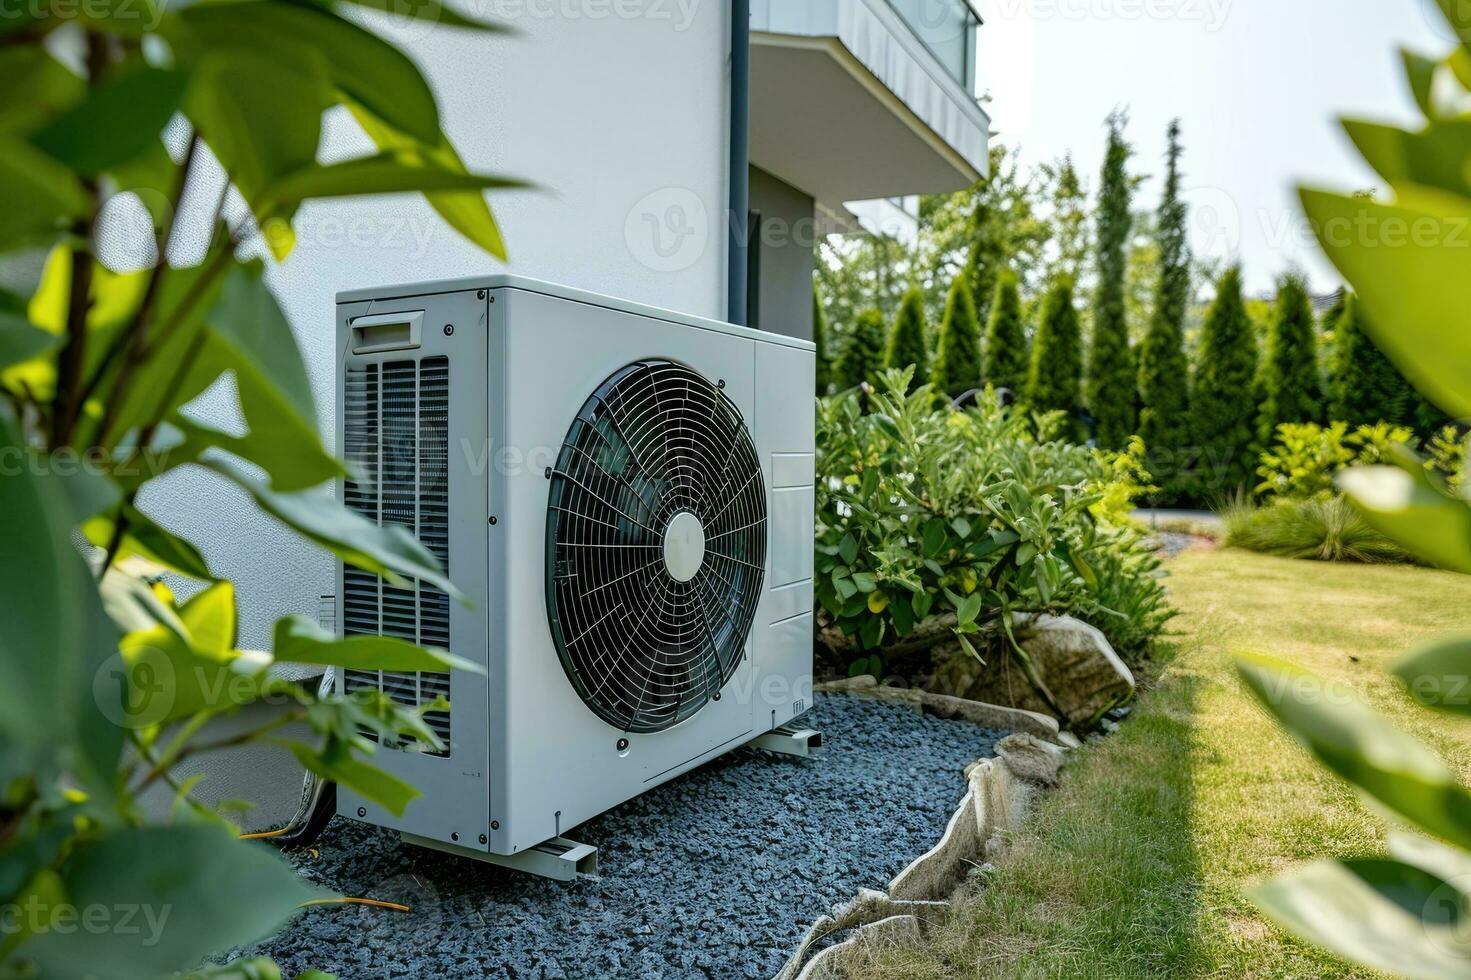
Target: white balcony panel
{"points": [[848, 104]]}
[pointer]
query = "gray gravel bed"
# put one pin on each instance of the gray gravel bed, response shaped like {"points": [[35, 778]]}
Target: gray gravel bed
{"points": [[715, 874]]}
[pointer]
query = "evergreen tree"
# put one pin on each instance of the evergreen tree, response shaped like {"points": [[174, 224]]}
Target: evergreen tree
{"points": [[863, 354], [1110, 383], [1005, 364], [1069, 199], [1222, 410], [1365, 387], [1055, 381], [958, 361], [1291, 384], [1164, 383], [907, 338], [819, 337]]}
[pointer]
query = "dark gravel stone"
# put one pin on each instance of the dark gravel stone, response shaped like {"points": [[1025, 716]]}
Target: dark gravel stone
{"points": [[715, 874]]}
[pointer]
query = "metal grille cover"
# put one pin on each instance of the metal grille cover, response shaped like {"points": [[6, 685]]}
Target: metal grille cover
{"points": [[656, 546], [396, 431]]}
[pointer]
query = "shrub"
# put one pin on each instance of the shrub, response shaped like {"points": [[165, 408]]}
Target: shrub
{"points": [[1365, 387], [1307, 457], [1291, 382], [863, 354], [1222, 411], [1006, 338], [819, 337], [1055, 382], [1316, 528], [1164, 373], [963, 518], [1128, 603], [1110, 375], [906, 347], [958, 361], [1445, 456]]}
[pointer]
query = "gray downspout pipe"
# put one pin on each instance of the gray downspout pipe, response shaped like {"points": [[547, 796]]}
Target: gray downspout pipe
{"points": [[738, 270]]}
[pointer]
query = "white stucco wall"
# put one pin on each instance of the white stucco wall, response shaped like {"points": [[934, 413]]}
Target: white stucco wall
{"points": [[601, 104]]}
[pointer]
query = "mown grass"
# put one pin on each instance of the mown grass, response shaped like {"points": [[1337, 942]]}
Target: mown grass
{"points": [[1136, 866]]}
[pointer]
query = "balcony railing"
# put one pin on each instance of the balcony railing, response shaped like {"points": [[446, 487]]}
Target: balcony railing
{"points": [[948, 29]]}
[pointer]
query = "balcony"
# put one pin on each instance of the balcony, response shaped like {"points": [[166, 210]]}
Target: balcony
{"points": [[948, 29], [853, 100]]}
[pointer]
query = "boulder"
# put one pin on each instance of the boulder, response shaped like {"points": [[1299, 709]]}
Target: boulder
{"points": [[1030, 758], [1082, 675]]}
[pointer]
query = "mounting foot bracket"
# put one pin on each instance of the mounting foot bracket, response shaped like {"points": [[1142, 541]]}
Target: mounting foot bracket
{"points": [[789, 740], [559, 858]]}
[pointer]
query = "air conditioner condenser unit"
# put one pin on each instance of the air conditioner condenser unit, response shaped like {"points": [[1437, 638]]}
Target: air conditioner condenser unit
{"points": [[625, 495]]}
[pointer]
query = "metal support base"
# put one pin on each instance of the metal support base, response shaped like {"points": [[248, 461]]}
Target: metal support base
{"points": [[789, 740], [559, 858]]}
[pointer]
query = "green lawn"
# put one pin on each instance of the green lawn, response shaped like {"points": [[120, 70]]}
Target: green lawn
{"points": [[1135, 866]]}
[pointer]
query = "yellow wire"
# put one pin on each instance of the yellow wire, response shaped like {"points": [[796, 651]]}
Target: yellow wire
{"points": [[266, 833], [360, 901]]}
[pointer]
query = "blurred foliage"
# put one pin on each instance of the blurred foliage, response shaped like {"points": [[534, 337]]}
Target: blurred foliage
{"points": [[152, 161], [1406, 256]]}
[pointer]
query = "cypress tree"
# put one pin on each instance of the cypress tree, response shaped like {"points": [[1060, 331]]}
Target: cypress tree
{"points": [[1365, 387], [1291, 385], [907, 338], [1222, 411], [863, 354], [819, 337], [1055, 381], [1005, 364], [1110, 382], [958, 361], [1164, 382]]}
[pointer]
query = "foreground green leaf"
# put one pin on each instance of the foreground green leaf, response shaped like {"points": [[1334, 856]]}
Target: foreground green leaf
{"points": [[1407, 507], [195, 888], [1392, 916], [389, 550], [338, 764], [299, 640], [1438, 673], [1406, 261], [41, 195], [117, 121], [48, 604], [1390, 767], [464, 211]]}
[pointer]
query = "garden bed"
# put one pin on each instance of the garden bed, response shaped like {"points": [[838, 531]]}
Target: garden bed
{"points": [[718, 873]]}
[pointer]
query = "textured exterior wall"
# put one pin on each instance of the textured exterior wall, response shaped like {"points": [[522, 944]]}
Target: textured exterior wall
{"points": [[621, 122]]}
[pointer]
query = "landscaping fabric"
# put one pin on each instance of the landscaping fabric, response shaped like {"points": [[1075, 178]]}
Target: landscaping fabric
{"points": [[717, 873]]}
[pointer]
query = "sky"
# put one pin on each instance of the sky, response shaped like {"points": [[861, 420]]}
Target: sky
{"points": [[1257, 84]]}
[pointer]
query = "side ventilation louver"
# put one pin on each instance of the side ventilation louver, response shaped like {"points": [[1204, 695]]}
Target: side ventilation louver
{"points": [[396, 432]]}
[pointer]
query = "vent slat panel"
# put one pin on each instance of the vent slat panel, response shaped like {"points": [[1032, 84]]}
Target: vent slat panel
{"points": [[396, 434]]}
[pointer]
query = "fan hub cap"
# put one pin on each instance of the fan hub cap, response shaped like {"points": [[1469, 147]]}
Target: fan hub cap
{"points": [[684, 546]]}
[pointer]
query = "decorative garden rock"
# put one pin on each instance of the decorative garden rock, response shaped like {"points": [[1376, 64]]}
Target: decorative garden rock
{"points": [[1000, 793], [1031, 758], [1081, 675]]}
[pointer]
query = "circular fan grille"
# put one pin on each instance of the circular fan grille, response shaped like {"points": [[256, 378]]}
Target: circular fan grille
{"points": [[656, 546]]}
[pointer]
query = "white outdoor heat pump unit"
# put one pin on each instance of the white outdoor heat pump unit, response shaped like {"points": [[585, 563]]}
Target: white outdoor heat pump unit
{"points": [[625, 496]]}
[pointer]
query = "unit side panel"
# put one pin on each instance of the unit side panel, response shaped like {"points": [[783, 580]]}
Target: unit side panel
{"points": [[784, 429], [415, 419]]}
